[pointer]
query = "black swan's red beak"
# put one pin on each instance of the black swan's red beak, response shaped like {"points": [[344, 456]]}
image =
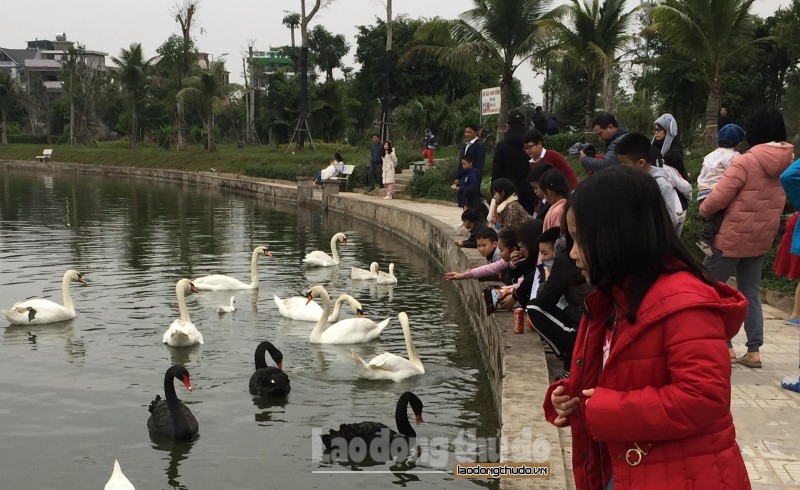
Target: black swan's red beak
{"points": [[187, 383], [419, 419]]}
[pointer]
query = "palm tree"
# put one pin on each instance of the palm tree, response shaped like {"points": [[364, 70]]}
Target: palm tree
{"points": [[208, 88], [292, 21], [710, 32], [7, 96], [132, 69], [501, 32], [588, 45]]}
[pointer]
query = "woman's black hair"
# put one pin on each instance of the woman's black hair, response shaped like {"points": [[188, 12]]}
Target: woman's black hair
{"points": [[385, 151], [529, 232], [766, 125], [508, 238], [554, 181], [503, 186], [338, 157], [631, 246]]}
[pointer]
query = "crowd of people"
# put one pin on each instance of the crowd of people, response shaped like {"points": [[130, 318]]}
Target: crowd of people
{"points": [[642, 327]]}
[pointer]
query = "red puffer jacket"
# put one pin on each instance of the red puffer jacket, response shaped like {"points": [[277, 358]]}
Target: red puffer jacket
{"points": [[665, 389]]}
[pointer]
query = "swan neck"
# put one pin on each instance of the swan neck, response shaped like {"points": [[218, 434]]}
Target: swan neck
{"points": [[173, 403], [410, 348], [337, 307], [321, 325], [334, 250], [401, 418], [254, 269], [179, 291], [261, 360], [66, 293]]}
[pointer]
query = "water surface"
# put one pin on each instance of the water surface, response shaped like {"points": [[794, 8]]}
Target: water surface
{"points": [[75, 394]]}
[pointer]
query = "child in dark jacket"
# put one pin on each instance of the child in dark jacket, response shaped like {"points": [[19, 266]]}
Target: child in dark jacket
{"points": [[555, 312], [470, 220], [471, 178]]}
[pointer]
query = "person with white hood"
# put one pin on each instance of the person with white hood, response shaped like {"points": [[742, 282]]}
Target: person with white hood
{"points": [[667, 141]]}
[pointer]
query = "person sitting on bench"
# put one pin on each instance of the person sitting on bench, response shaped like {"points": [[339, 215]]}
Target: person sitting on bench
{"points": [[335, 169]]}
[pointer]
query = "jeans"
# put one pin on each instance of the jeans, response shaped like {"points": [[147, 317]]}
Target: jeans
{"points": [[375, 174], [748, 280]]}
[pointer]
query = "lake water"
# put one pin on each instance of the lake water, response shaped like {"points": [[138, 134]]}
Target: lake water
{"points": [[75, 394]]}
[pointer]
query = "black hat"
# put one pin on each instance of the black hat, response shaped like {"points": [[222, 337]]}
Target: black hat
{"points": [[516, 117]]}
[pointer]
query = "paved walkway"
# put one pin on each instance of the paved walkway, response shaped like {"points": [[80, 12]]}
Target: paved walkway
{"points": [[767, 417]]}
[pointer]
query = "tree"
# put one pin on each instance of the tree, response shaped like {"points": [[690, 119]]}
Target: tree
{"points": [[588, 45], [304, 35], [132, 70], [207, 87], [328, 49], [501, 32], [8, 94], [710, 32], [184, 16], [292, 21]]}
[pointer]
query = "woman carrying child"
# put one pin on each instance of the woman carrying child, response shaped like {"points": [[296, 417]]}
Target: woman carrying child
{"points": [[750, 193], [509, 212], [648, 399]]}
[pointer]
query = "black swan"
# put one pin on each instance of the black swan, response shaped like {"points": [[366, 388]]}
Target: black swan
{"points": [[367, 431], [268, 380], [170, 417]]}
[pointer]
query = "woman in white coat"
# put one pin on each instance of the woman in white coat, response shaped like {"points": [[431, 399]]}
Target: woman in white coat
{"points": [[389, 164]]}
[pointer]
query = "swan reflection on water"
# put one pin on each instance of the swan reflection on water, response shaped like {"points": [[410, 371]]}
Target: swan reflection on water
{"points": [[185, 355], [268, 409], [35, 334], [178, 451]]}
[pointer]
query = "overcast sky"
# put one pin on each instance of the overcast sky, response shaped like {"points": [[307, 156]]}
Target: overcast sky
{"points": [[227, 25]]}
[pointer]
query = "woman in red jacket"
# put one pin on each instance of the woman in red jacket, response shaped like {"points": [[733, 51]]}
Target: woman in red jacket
{"points": [[648, 399]]}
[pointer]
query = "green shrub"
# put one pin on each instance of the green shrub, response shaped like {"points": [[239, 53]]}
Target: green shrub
{"points": [[562, 142], [27, 139], [435, 182]]}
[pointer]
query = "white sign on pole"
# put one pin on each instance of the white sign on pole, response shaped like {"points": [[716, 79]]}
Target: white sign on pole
{"points": [[490, 101]]}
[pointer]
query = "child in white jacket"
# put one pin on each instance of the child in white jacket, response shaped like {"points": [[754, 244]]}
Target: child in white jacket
{"points": [[714, 165]]}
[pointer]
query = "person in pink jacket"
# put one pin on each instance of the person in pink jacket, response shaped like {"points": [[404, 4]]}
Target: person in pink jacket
{"points": [[750, 192]]}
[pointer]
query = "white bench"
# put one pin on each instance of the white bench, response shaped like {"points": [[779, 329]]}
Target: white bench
{"points": [[45, 156], [343, 178]]}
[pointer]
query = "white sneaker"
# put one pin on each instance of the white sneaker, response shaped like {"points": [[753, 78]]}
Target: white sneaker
{"points": [[388, 197]]}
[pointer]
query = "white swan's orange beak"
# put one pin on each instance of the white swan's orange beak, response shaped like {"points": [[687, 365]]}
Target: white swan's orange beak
{"points": [[360, 314], [82, 280], [192, 288], [267, 252], [309, 298]]}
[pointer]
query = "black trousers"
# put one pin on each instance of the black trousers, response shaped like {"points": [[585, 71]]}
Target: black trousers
{"points": [[375, 174], [556, 330]]}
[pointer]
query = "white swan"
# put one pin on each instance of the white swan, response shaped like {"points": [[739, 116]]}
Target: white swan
{"points": [[384, 278], [392, 366], [38, 311], [229, 308], [372, 273], [298, 308], [182, 332], [118, 481], [219, 282], [349, 331], [321, 259]]}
